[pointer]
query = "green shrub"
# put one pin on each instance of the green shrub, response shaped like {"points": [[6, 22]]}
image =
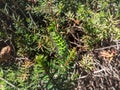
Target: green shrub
{"points": [[38, 30]]}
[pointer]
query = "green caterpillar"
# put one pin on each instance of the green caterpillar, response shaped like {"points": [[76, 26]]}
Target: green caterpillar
{"points": [[60, 43]]}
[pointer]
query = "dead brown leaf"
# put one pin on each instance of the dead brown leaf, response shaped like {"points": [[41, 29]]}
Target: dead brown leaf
{"points": [[5, 53]]}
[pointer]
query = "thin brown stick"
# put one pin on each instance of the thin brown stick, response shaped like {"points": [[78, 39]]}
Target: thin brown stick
{"points": [[9, 83]]}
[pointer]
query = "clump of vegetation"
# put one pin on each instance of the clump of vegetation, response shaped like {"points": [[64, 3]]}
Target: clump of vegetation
{"points": [[53, 44]]}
